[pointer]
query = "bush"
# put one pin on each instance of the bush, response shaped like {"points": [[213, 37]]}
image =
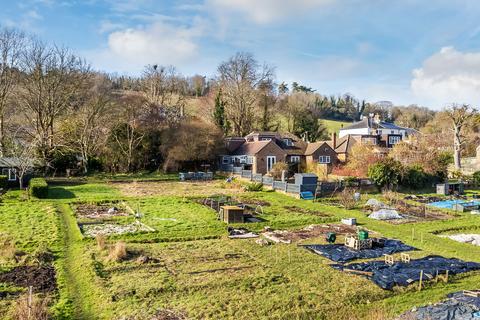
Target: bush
{"points": [[346, 198], [415, 178], [254, 187], [38, 187], [277, 169], [386, 173], [476, 178], [3, 182], [118, 252]]}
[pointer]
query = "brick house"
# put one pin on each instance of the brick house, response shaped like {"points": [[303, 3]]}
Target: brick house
{"points": [[259, 151]]}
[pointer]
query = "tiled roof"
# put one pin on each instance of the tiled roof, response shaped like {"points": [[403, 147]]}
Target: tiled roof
{"points": [[251, 148], [312, 147]]}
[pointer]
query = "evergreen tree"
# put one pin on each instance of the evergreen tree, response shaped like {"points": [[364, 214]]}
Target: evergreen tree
{"points": [[219, 113]]}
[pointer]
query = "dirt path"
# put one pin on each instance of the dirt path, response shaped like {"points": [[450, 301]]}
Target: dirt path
{"points": [[77, 283]]}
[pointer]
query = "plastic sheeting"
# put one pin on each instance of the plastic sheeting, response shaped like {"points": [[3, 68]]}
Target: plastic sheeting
{"points": [[466, 238], [385, 214], [374, 203], [342, 254], [457, 307], [402, 274]]}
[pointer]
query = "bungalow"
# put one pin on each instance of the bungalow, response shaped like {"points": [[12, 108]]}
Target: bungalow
{"points": [[259, 151]]}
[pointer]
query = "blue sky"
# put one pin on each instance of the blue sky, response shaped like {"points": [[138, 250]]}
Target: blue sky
{"points": [[405, 51]]}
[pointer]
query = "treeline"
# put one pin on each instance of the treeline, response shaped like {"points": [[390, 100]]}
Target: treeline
{"points": [[56, 109]]}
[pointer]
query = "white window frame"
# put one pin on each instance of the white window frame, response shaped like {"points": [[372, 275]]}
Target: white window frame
{"points": [[288, 142], [295, 159], [12, 172], [271, 160], [265, 139], [392, 140], [324, 159]]}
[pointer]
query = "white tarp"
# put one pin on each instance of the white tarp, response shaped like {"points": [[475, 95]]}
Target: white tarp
{"points": [[466, 238], [374, 203], [385, 214]]}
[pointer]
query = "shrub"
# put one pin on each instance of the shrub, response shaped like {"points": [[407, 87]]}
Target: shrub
{"points": [[476, 178], [38, 187], [101, 241], [386, 173], [3, 182], [277, 169], [254, 187], [118, 252], [37, 309], [346, 198], [415, 177]]}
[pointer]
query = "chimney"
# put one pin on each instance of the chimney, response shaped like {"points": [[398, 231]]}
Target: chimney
{"points": [[334, 140]]}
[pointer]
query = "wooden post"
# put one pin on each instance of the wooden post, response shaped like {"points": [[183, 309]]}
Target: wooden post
{"points": [[29, 301], [421, 279]]}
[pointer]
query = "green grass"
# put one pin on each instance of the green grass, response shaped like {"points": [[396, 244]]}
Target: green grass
{"points": [[82, 191], [29, 224], [334, 126], [198, 271]]}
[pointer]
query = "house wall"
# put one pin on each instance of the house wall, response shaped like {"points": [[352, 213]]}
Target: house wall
{"points": [[324, 150], [360, 131], [272, 149]]}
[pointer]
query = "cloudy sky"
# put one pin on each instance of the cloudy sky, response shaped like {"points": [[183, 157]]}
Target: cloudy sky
{"points": [[405, 51]]}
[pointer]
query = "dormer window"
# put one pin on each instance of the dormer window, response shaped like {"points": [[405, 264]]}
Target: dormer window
{"points": [[288, 142]]}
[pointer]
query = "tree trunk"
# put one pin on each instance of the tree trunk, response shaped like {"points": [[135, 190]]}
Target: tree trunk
{"points": [[457, 148], [2, 136]]}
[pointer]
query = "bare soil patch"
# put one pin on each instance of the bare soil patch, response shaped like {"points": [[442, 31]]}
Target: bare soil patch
{"points": [[305, 211], [312, 231], [102, 211], [173, 188], [41, 278]]}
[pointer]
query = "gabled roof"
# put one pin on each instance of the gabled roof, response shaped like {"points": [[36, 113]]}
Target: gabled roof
{"points": [[344, 144], [314, 146], [251, 148]]}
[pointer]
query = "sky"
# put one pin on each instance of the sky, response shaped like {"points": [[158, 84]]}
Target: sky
{"points": [[405, 51]]}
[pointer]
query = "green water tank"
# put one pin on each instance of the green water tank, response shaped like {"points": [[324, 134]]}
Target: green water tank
{"points": [[331, 237], [363, 235]]}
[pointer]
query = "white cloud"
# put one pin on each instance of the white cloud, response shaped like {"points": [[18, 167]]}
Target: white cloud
{"points": [[264, 11], [129, 50], [448, 76]]}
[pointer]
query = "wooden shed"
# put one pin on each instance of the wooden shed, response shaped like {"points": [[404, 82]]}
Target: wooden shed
{"points": [[231, 214]]}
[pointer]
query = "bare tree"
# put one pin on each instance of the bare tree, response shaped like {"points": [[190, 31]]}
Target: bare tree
{"points": [[11, 45], [85, 131], [239, 78], [53, 79], [23, 150], [126, 134], [460, 116], [164, 91]]}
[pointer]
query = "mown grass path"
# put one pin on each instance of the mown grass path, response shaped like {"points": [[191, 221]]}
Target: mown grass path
{"points": [[76, 279]]}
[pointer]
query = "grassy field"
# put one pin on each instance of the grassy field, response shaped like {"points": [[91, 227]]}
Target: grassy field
{"points": [[334, 126], [187, 267]]}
